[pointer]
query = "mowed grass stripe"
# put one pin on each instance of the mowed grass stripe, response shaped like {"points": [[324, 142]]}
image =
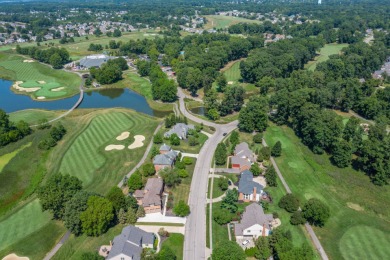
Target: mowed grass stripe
{"points": [[25, 221]]}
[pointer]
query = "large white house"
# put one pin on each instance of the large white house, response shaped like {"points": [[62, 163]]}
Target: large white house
{"points": [[254, 223]]}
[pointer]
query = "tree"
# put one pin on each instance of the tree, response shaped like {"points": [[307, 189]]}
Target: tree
{"points": [[270, 177], [229, 201], [135, 181], [297, 218], [122, 216], [222, 216], [73, 209], [260, 157], [96, 219], [221, 83], [266, 152], [258, 138], [263, 248], [174, 140], [158, 139], [193, 141], [342, 153], [253, 117], [166, 253], [58, 190], [131, 216], [117, 33], [255, 169], [56, 61], [181, 209], [117, 198], [140, 212], [148, 169], [289, 202], [171, 177], [213, 114], [277, 149], [183, 173], [228, 250], [234, 138], [220, 154], [223, 183], [316, 212]]}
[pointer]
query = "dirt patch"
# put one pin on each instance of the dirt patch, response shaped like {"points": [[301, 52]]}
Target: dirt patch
{"points": [[41, 82], [114, 147], [13, 256], [123, 136], [230, 82], [17, 86], [41, 97], [355, 206], [28, 61], [57, 89], [138, 142]]}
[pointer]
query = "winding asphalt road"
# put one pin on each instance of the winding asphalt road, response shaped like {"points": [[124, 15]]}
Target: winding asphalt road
{"points": [[195, 232]]}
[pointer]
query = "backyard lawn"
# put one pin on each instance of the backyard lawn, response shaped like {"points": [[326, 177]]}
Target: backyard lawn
{"points": [[357, 206], [223, 22], [325, 52], [182, 191], [50, 83], [175, 242]]}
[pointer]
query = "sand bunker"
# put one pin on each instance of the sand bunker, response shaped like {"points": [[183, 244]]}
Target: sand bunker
{"points": [[123, 136], [41, 82], [15, 257], [230, 82], [41, 97], [355, 206], [28, 61], [114, 147], [57, 89], [138, 142], [16, 86]]}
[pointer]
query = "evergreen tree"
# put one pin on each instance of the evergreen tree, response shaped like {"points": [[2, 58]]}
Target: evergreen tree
{"points": [[277, 149], [342, 153], [220, 154]]}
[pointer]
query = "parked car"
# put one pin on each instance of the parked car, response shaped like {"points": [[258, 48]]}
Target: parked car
{"points": [[245, 242], [224, 134]]}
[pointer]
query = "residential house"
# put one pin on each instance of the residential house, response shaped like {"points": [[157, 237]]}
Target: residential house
{"points": [[150, 196], [254, 223], [130, 243], [180, 129], [243, 157], [249, 190], [165, 159]]}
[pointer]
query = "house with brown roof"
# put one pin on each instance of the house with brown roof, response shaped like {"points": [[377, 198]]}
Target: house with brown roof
{"points": [[254, 223], [150, 196], [243, 157]]}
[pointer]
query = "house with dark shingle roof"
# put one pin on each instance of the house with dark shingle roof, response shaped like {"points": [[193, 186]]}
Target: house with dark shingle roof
{"points": [[243, 157], [94, 61], [150, 196], [165, 149], [129, 244], [165, 159], [248, 190], [180, 129], [254, 223]]}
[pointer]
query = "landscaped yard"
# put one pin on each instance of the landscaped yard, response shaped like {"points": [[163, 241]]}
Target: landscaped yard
{"points": [[36, 75], [325, 52], [217, 192], [176, 243], [223, 22], [357, 206], [83, 155], [182, 191]]}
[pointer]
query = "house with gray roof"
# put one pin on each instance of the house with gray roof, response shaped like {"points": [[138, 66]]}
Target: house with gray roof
{"points": [[249, 190], [243, 157], [165, 159], [129, 244], [165, 149], [180, 129], [254, 223], [94, 61], [150, 196]]}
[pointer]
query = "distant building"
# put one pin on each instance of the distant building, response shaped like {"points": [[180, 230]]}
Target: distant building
{"points": [[150, 196], [95, 61], [129, 244], [180, 129]]}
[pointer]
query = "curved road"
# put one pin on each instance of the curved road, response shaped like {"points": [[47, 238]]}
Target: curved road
{"points": [[195, 230]]}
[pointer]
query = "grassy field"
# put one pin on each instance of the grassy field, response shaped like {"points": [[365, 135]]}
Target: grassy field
{"points": [[325, 52], [4, 159], [217, 192], [176, 243], [82, 153], [32, 116], [356, 204], [223, 22], [36, 75]]}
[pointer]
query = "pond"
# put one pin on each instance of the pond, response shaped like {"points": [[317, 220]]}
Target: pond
{"points": [[198, 111], [105, 98]]}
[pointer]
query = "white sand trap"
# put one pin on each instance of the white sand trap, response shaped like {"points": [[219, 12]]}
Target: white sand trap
{"points": [[41, 97], [138, 142], [41, 82], [57, 89], [28, 61], [114, 147], [230, 82], [16, 86], [123, 136], [15, 257]]}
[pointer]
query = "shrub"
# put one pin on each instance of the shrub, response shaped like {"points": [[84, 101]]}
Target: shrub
{"points": [[222, 216], [183, 173], [187, 160], [258, 138], [289, 202], [181, 209], [180, 165], [157, 139], [223, 183], [266, 152], [255, 169]]}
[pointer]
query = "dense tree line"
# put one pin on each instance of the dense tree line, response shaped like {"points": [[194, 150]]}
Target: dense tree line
{"points": [[11, 132], [110, 72], [56, 57]]}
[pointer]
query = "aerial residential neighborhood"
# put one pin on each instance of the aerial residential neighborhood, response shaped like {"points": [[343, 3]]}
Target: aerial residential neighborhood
{"points": [[187, 130]]}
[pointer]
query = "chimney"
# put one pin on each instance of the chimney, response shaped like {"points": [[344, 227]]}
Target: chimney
{"points": [[263, 234], [254, 193]]}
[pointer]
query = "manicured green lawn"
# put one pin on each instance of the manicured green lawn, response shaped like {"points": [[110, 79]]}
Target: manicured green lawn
{"points": [[217, 192], [32, 116], [182, 191], [220, 232], [222, 22], [17, 225], [325, 52], [233, 73], [4, 159], [13, 68], [175, 242], [86, 157], [353, 200]]}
